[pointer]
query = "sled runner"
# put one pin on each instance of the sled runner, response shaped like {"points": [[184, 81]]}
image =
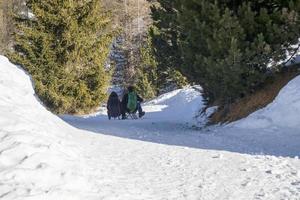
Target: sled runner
{"points": [[133, 116]]}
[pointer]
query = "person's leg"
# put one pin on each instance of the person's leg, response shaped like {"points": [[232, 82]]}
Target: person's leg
{"points": [[108, 114], [140, 110], [123, 111], [139, 107]]}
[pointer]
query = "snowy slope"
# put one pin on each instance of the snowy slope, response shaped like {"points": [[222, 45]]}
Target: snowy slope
{"points": [[39, 157], [284, 111], [157, 158]]}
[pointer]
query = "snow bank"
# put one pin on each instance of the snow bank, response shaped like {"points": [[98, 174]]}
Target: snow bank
{"points": [[38, 157], [284, 111], [181, 105]]}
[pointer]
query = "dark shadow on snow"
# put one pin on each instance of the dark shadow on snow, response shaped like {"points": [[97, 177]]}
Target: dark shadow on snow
{"points": [[253, 142]]}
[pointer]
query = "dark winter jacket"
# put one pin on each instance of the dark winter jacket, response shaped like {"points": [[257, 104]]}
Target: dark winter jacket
{"points": [[114, 105]]}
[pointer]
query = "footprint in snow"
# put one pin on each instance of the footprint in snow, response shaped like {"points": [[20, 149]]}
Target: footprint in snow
{"points": [[246, 182], [246, 170], [297, 183], [260, 195], [219, 156]]}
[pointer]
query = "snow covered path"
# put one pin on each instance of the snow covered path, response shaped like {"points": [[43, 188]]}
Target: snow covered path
{"points": [[172, 161], [170, 119], [160, 158], [131, 169], [274, 142]]}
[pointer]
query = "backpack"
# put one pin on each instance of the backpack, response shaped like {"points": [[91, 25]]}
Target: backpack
{"points": [[132, 102]]}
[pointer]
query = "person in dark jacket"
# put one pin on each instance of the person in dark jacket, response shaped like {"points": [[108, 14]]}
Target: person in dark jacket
{"points": [[138, 108], [114, 106]]}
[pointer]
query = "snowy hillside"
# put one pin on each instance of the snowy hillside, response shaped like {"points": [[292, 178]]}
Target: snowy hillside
{"points": [[284, 111], [159, 157], [39, 156]]}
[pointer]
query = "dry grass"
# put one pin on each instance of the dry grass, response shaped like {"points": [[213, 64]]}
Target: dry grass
{"points": [[2, 28], [6, 24], [256, 101]]}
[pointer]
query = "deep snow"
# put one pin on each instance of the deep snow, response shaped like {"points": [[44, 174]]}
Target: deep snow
{"points": [[158, 157]]}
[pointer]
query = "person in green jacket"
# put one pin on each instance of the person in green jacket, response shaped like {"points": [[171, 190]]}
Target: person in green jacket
{"points": [[131, 103]]}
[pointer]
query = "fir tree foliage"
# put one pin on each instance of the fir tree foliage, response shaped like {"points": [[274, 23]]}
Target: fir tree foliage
{"points": [[64, 47], [146, 84], [154, 79], [227, 46], [164, 35]]}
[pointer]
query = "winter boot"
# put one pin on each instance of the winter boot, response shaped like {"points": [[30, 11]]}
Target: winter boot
{"points": [[141, 114]]}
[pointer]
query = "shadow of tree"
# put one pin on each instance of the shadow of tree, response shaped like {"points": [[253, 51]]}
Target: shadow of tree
{"points": [[254, 142]]}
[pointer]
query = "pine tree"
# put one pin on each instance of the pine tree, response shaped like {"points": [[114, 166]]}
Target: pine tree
{"points": [[209, 46], [164, 34], [146, 76], [151, 78], [227, 46], [164, 41], [64, 47]]}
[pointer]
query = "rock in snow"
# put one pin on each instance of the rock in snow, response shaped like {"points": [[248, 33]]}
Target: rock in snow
{"points": [[44, 157]]}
